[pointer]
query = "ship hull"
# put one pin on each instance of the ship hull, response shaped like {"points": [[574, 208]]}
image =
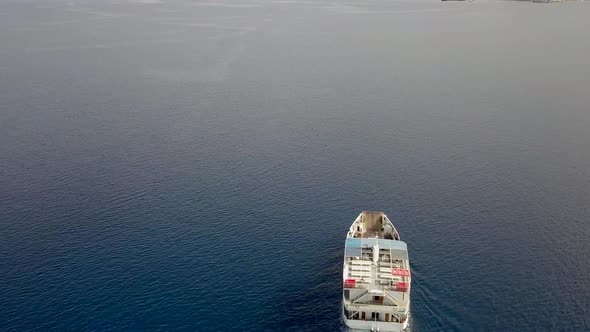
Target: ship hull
{"points": [[376, 276]]}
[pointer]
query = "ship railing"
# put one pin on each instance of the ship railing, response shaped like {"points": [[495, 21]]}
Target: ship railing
{"points": [[367, 319], [356, 285], [363, 306], [391, 288]]}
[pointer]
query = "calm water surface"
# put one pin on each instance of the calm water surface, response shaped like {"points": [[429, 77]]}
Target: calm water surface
{"points": [[192, 165]]}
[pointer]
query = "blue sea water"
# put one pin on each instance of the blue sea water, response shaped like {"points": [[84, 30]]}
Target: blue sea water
{"points": [[194, 165]]}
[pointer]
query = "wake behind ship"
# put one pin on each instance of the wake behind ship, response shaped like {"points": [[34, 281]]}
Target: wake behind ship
{"points": [[376, 275]]}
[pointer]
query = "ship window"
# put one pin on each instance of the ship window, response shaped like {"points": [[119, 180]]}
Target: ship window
{"points": [[346, 294], [387, 317]]}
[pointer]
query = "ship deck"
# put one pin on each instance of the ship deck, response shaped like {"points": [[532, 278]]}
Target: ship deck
{"points": [[377, 275]]}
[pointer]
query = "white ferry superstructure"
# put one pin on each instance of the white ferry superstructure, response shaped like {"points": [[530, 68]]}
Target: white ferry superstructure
{"points": [[376, 275]]}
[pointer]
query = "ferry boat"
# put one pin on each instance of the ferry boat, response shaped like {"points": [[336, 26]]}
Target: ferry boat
{"points": [[376, 276]]}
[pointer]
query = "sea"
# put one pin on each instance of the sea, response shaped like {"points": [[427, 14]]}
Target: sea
{"points": [[194, 165]]}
